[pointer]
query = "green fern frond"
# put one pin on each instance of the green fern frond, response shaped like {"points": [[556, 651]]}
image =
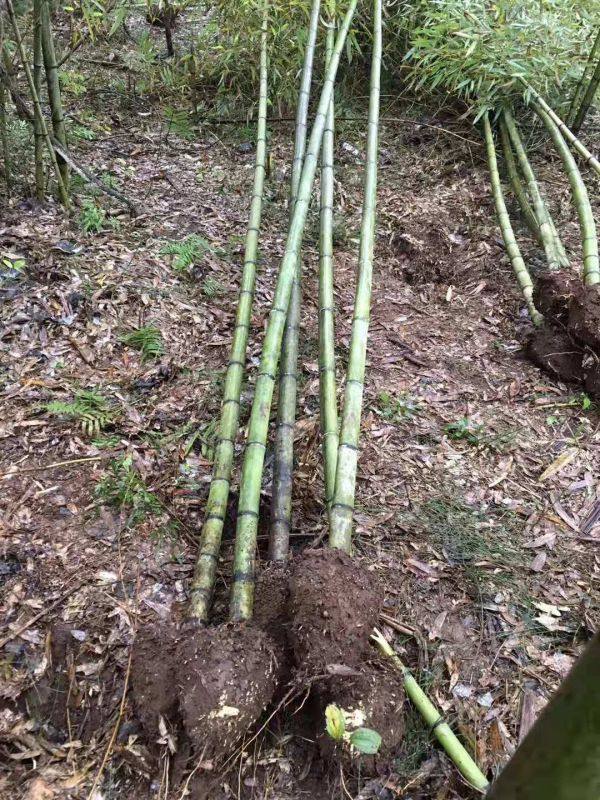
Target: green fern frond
{"points": [[148, 340], [211, 287], [89, 408], [186, 252]]}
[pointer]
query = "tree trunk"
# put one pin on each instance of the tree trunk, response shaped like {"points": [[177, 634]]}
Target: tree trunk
{"points": [[169, 34], [54, 96], [559, 758], [38, 66], [3, 134]]}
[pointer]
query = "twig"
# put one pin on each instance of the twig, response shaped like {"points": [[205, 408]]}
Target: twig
{"points": [[40, 614], [56, 465]]}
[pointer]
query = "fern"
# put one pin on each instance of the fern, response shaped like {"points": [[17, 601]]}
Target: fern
{"points": [[178, 120], [124, 488], [147, 340], [211, 287], [186, 252], [92, 411]]}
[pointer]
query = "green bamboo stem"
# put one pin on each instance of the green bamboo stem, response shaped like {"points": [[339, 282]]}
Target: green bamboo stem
{"points": [[342, 507], [62, 192], [327, 382], [3, 131], [283, 466], [588, 99], [508, 234], [517, 185], [541, 213], [442, 731], [584, 81], [577, 145], [559, 759], [247, 525], [216, 507], [589, 239], [54, 95], [38, 66]]}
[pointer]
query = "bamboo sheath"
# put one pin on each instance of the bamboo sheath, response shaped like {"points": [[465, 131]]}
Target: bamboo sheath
{"points": [[216, 506], [589, 239], [342, 507], [281, 508], [247, 525], [508, 235], [327, 382]]}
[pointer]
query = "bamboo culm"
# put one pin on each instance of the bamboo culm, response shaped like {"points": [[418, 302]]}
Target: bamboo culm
{"points": [[62, 192], [539, 102], [281, 506], [575, 116], [54, 95], [3, 130], [247, 525], [508, 235], [327, 382], [342, 506], [539, 206], [442, 731], [587, 226], [38, 67], [216, 506], [588, 99]]}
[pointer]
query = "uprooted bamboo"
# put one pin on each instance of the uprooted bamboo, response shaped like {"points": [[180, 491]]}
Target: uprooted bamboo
{"points": [[39, 114], [247, 525], [442, 731], [54, 95], [538, 102], [508, 234], [342, 507], [281, 508], [539, 206], [216, 506], [38, 66], [589, 239], [586, 88], [327, 383]]}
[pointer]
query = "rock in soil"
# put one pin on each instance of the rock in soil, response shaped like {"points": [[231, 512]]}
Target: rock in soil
{"points": [[154, 675], [373, 698], [228, 676], [553, 293], [335, 603], [554, 352], [584, 317]]}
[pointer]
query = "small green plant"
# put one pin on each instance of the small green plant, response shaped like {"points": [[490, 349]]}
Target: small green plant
{"points": [[92, 218], [148, 340], [397, 408], [186, 252], [178, 122], [83, 132], [465, 430], [89, 408], [73, 82], [15, 263], [211, 287], [124, 489], [365, 741]]}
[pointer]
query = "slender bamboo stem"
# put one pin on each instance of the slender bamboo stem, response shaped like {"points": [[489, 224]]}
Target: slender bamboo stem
{"points": [[62, 192], [508, 235], [342, 507], [585, 154], [327, 382], [583, 82], [3, 131], [281, 507], [589, 239], [216, 506], [588, 99], [443, 732], [54, 95], [247, 525], [517, 185], [38, 66], [546, 232]]}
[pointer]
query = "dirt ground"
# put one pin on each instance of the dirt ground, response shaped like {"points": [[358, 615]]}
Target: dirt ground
{"points": [[478, 506]]}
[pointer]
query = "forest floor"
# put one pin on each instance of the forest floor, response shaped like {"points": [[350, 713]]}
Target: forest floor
{"points": [[477, 497]]}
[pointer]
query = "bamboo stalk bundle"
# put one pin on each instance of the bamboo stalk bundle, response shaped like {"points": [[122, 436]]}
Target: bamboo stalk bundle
{"points": [[342, 507], [442, 731], [216, 506], [327, 382], [588, 99], [242, 596], [38, 66], [580, 94], [539, 103], [281, 509], [54, 96], [589, 239], [508, 234]]}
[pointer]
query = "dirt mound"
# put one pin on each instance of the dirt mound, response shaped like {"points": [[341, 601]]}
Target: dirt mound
{"points": [[271, 602], [552, 295], [153, 675], [228, 676], [584, 317], [334, 604], [553, 351]]}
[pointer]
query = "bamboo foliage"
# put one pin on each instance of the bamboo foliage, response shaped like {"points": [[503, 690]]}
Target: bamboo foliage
{"points": [[342, 507], [327, 382], [508, 235], [54, 96], [587, 226], [281, 509], [247, 525]]}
